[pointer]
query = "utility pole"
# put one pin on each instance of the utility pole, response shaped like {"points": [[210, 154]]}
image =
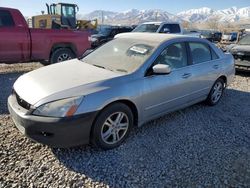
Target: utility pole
{"points": [[157, 15], [102, 18]]}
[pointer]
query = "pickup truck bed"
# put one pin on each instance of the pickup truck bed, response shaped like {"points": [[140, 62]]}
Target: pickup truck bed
{"points": [[18, 43]]}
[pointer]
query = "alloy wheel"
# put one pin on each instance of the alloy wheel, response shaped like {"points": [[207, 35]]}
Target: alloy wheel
{"points": [[217, 92], [114, 128]]}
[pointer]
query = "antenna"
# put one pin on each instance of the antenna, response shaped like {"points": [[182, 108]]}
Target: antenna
{"points": [[102, 18]]}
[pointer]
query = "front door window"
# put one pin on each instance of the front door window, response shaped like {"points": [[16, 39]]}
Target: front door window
{"points": [[174, 55]]}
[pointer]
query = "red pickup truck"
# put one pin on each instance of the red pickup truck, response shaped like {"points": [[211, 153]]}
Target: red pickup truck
{"points": [[19, 43]]}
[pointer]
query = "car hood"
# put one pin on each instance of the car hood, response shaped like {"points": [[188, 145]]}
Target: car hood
{"points": [[59, 78], [240, 48]]}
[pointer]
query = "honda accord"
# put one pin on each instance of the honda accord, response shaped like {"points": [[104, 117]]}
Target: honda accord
{"points": [[130, 80]]}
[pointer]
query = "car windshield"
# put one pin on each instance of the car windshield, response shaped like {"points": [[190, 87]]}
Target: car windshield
{"points": [[121, 55], [245, 40], [151, 28], [206, 33], [104, 30]]}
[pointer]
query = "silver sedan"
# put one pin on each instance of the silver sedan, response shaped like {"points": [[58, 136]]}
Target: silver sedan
{"points": [[134, 78]]}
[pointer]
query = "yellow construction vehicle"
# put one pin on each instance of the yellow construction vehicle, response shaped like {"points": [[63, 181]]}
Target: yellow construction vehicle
{"points": [[62, 15], [87, 24]]}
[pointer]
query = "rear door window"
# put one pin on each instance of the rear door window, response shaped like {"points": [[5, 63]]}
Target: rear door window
{"points": [[6, 19], [200, 52], [214, 55]]}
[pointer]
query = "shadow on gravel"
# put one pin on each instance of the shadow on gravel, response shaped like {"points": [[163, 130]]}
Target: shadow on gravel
{"points": [[199, 145], [6, 83], [243, 73]]}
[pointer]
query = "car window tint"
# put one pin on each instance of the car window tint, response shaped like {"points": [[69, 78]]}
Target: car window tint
{"points": [[174, 55], [214, 55], [6, 19], [121, 54], [114, 32], [171, 28], [175, 28], [245, 40], [151, 28], [200, 52]]}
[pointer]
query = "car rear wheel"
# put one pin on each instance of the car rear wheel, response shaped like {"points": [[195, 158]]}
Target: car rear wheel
{"points": [[216, 92], [112, 126], [62, 54]]}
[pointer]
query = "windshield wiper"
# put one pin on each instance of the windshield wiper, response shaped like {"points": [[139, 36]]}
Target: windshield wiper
{"points": [[121, 70], [99, 66]]}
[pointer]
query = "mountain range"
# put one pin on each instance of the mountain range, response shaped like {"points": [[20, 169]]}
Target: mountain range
{"points": [[200, 15]]}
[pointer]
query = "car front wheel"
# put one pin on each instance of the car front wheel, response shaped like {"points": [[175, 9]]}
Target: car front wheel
{"points": [[112, 126]]}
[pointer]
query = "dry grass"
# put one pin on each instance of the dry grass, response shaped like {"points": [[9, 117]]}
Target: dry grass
{"points": [[18, 67]]}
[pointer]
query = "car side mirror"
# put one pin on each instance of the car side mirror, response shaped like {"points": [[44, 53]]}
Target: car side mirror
{"points": [[161, 69]]}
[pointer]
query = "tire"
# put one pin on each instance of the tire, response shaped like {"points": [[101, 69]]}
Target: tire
{"points": [[216, 92], [112, 126], [62, 54]]}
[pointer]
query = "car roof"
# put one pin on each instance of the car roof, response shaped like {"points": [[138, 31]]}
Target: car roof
{"points": [[150, 37], [160, 23], [6, 8]]}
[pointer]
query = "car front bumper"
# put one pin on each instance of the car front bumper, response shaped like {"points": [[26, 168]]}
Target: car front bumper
{"points": [[55, 132], [242, 65]]}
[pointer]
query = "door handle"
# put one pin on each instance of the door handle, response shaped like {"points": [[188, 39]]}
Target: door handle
{"points": [[186, 75], [215, 66]]}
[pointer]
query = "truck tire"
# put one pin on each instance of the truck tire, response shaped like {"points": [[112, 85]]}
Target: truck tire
{"points": [[62, 54]]}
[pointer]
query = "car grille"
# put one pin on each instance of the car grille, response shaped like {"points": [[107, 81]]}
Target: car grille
{"points": [[21, 102], [246, 58]]}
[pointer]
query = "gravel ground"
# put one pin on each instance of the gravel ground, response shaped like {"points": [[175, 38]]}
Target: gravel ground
{"points": [[18, 67], [199, 146]]}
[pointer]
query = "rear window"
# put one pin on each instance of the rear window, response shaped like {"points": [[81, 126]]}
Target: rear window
{"points": [[171, 28], [151, 28], [6, 19]]}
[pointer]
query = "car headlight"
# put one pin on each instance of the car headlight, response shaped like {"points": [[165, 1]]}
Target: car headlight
{"points": [[92, 39], [61, 108]]}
